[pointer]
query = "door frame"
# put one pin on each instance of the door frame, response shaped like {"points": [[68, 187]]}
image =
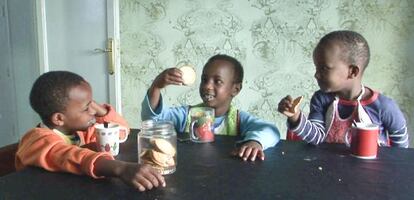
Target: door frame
{"points": [[112, 32]]}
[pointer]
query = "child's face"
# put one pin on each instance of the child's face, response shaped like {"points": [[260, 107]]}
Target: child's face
{"points": [[332, 73], [217, 87], [79, 115]]}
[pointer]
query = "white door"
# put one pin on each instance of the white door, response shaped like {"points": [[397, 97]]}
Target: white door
{"points": [[74, 35], [7, 109]]}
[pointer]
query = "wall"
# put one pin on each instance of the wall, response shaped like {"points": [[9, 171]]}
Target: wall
{"points": [[273, 39]]}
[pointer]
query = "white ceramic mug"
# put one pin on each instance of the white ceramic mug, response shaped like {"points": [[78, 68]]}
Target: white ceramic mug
{"points": [[108, 138]]}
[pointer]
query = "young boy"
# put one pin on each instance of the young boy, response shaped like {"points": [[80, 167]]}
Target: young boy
{"points": [[341, 58], [61, 142], [221, 80]]}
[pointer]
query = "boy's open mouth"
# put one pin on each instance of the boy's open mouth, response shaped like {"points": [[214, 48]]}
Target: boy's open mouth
{"points": [[92, 122], [207, 97]]}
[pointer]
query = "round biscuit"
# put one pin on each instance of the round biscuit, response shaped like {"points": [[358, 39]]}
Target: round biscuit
{"points": [[188, 74], [160, 159], [164, 146]]}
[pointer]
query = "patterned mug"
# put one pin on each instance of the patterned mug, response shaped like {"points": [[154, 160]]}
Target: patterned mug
{"points": [[201, 125], [108, 137]]}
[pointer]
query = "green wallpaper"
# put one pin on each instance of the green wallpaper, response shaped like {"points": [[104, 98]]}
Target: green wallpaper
{"points": [[273, 39]]}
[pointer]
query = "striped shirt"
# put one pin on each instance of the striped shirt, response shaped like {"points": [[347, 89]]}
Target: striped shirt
{"points": [[382, 111]]}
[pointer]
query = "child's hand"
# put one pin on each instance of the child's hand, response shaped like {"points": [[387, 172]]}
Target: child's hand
{"points": [[250, 150], [171, 76], [290, 107], [100, 110], [142, 177]]}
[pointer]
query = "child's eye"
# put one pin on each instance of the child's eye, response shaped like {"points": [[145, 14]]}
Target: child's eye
{"points": [[322, 68], [218, 81]]}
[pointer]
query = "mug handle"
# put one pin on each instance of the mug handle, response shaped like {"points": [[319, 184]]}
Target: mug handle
{"points": [[126, 132], [192, 132], [346, 138]]}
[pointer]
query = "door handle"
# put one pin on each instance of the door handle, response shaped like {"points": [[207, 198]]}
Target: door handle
{"points": [[110, 47], [102, 50]]}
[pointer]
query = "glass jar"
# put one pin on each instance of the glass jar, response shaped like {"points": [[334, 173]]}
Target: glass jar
{"points": [[157, 145]]}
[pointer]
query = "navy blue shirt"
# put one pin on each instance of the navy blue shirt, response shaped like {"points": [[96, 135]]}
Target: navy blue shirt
{"points": [[382, 110]]}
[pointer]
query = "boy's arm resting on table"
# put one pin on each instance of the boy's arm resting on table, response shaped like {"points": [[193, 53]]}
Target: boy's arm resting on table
{"points": [[395, 123], [255, 129], [43, 148], [141, 177], [312, 129]]}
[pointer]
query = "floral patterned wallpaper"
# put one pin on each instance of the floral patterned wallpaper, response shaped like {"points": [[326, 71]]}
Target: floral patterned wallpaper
{"points": [[273, 39]]}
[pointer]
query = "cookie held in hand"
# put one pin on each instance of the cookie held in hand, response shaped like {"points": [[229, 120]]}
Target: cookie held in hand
{"points": [[294, 108], [188, 74], [295, 104]]}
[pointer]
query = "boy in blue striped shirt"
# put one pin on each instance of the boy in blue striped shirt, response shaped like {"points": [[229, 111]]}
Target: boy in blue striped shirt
{"points": [[341, 58]]}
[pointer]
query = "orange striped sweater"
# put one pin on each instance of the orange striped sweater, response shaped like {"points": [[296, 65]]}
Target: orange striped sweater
{"points": [[42, 147]]}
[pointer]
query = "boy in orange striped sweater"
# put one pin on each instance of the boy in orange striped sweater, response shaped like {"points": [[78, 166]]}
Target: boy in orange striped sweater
{"points": [[63, 141]]}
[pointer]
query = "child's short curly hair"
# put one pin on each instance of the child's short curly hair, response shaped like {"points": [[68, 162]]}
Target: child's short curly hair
{"points": [[50, 92], [355, 47], [238, 68]]}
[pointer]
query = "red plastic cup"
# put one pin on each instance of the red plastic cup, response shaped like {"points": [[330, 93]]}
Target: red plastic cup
{"points": [[364, 140]]}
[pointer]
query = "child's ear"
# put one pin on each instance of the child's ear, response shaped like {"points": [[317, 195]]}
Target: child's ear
{"points": [[236, 89], [353, 71], [57, 119]]}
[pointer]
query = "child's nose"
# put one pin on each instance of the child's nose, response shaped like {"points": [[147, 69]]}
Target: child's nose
{"points": [[317, 75], [208, 85]]}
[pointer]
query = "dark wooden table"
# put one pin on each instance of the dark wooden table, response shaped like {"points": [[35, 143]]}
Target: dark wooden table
{"points": [[292, 170]]}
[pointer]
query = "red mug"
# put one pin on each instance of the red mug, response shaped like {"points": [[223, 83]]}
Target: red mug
{"points": [[364, 140]]}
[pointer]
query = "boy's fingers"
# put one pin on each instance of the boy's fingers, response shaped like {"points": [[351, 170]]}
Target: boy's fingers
{"points": [[138, 185], [283, 106], [174, 80], [247, 153], [176, 73], [241, 151], [153, 179], [160, 179], [261, 155], [144, 182], [141, 187], [288, 113], [285, 103], [253, 155]]}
